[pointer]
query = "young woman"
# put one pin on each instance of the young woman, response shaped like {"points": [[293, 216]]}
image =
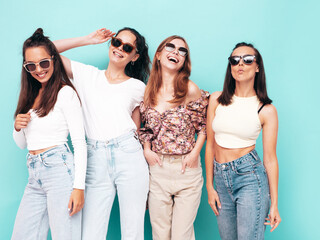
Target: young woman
{"points": [[110, 101], [48, 109], [173, 111], [234, 121]]}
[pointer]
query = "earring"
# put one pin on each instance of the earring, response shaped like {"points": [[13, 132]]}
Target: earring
{"points": [[132, 63]]}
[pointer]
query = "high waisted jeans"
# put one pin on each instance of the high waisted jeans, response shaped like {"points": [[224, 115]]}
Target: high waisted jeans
{"points": [[243, 189], [117, 165], [46, 197]]}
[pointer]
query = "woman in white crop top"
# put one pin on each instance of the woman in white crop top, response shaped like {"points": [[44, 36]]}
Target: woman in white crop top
{"points": [[48, 109], [110, 100], [235, 117]]}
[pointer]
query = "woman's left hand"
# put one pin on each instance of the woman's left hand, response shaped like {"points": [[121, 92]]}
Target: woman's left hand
{"points": [[100, 36], [190, 161], [76, 201], [273, 218]]}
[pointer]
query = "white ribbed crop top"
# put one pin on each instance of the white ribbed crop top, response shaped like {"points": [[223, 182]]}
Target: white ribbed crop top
{"points": [[237, 125]]}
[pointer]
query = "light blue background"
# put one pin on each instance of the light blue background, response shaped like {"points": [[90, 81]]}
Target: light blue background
{"points": [[286, 33]]}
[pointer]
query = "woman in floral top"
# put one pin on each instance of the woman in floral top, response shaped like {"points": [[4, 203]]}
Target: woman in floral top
{"points": [[173, 111]]}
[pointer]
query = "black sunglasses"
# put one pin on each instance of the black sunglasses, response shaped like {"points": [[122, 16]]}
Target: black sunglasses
{"points": [[31, 66], [170, 47], [247, 59], [127, 47]]}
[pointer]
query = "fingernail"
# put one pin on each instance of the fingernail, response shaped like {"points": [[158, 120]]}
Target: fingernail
{"points": [[69, 209], [182, 171]]}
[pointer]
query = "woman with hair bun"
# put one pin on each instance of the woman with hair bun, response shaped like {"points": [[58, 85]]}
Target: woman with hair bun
{"points": [[48, 110], [173, 112], [235, 119], [110, 101]]}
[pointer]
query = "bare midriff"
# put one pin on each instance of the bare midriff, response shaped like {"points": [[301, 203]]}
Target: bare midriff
{"points": [[35, 152], [224, 155]]}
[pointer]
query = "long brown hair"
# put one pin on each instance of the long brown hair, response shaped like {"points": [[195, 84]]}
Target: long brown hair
{"points": [[259, 80], [180, 81], [30, 86]]}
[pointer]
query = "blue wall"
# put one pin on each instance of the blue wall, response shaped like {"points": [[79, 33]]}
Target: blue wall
{"points": [[286, 33]]}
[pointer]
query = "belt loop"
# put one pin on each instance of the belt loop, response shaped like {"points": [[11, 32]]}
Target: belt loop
{"points": [[67, 146], [40, 158], [253, 155], [233, 166]]}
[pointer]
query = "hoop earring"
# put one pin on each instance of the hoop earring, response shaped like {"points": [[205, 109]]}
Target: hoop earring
{"points": [[132, 63]]}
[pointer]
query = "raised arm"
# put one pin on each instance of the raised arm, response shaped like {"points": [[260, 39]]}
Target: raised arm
{"points": [[99, 36], [269, 118]]}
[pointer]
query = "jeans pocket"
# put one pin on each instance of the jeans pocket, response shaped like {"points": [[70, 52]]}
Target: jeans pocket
{"points": [[90, 150], [244, 168], [53, 159], [130, 145]]}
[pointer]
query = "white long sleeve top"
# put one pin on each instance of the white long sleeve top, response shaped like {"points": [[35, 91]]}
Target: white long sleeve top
{"points": [[54, 128]]}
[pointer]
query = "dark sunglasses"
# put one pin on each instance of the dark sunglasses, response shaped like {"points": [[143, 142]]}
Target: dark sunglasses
{"points": [[127, 47], [170, 47], [247, 59], [31, 66]]}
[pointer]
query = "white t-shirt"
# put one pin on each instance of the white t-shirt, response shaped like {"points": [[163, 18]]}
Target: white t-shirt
{"points": [[107, 108], [54, 128]]}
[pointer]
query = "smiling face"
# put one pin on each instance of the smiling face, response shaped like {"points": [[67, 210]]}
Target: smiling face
{"points": [[243, 72], [118, 56], [35, 55], [172, 61]]}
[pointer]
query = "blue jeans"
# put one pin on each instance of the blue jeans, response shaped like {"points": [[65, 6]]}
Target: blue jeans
{"points": [[243, 189], [117, 165], [46, 197]]}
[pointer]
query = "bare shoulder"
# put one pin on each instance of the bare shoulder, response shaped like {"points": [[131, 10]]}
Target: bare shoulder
{"points": [[193, 91], [269, 110], [269, 114], [214, 97]]}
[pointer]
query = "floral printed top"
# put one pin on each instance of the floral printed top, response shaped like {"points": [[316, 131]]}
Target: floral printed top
{"points": [[173, 131]]}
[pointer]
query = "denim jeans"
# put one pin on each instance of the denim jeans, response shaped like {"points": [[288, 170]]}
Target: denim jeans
{"points": [[46, 197], [117, 165], [243, 189]]}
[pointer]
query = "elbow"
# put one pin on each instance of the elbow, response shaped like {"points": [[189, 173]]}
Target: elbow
{"points": [[270, 162], [22, 146]]}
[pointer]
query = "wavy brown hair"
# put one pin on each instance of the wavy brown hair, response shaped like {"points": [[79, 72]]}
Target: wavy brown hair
{"points": [[180, 81], [259, 80], [30, 86]]}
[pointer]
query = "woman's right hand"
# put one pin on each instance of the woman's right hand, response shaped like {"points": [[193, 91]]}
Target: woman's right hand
{"points": [[22, 121], [214, 201], [100, 36], [151, 157]]}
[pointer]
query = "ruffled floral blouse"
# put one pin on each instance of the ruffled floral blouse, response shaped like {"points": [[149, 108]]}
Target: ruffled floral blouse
{"points": [[173, 131]]}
